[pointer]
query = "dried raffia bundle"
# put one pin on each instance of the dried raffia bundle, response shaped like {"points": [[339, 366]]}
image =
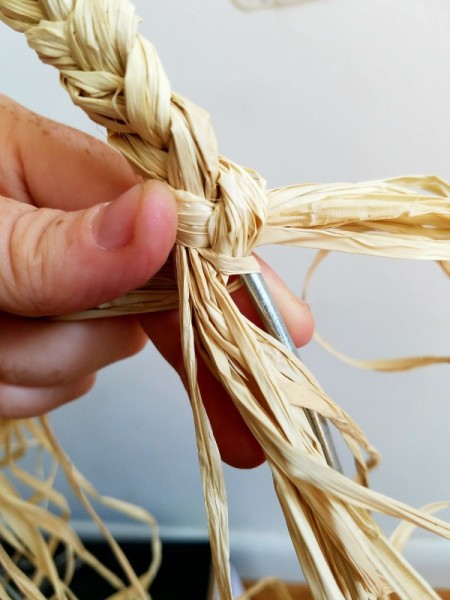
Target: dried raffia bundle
{"points": [[225, 212], [36, 528]]}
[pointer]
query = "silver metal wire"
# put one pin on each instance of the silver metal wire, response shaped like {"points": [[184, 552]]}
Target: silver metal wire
{"points": [[270, 316]]}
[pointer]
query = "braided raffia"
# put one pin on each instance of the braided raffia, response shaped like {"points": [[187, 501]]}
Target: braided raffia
{"points": [[115, 76]]}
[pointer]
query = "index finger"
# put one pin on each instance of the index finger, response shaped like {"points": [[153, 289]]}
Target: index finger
{"points": [[52, 165]]}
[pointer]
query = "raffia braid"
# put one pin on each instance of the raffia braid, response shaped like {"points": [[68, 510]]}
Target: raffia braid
{"points": [[225, 212]]}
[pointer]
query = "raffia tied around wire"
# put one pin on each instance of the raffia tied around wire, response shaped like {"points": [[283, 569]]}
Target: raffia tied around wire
{"points": [[225, 212]]}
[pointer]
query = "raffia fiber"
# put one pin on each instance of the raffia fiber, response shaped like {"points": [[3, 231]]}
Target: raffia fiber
{"points": [[225, 212]]}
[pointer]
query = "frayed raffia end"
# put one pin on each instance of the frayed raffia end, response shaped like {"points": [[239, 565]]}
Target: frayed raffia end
{"points": [[251, 5], [225, 212], [35, 521]]}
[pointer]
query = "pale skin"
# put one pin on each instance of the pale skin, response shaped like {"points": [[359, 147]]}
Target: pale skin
{"points": [[79, 228]]}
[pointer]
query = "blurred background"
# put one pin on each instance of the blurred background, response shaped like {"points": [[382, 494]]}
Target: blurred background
{"points": [[323, 90]]}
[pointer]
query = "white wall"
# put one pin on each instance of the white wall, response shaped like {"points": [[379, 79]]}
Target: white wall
{"points": [[322, 91]]}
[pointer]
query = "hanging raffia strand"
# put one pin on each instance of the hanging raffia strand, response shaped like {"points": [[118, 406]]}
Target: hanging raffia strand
{"points": [[225, 212]]}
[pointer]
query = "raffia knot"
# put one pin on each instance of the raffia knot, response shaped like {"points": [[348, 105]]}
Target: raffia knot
{"points": [[227, 229]]}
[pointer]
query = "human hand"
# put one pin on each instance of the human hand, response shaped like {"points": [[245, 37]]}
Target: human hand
{"points": [[62, 249], [56, 258]]}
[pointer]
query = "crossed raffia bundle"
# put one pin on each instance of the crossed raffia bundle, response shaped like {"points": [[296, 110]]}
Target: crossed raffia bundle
{"points": [[225, 212]]}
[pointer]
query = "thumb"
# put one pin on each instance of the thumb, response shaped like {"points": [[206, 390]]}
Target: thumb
{"points": [[54, 262]]}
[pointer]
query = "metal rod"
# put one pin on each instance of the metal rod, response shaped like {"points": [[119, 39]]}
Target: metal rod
{"points": [[273, 322]]}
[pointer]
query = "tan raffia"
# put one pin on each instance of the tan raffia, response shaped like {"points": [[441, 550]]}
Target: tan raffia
{"points": [[225, 212], [37, 527], [404, 363]]}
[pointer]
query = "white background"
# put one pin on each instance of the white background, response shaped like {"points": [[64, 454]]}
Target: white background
{"points": [[327, 90]]}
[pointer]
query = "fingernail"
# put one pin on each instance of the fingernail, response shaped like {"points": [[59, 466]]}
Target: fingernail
{"points": [[115, 223]]}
